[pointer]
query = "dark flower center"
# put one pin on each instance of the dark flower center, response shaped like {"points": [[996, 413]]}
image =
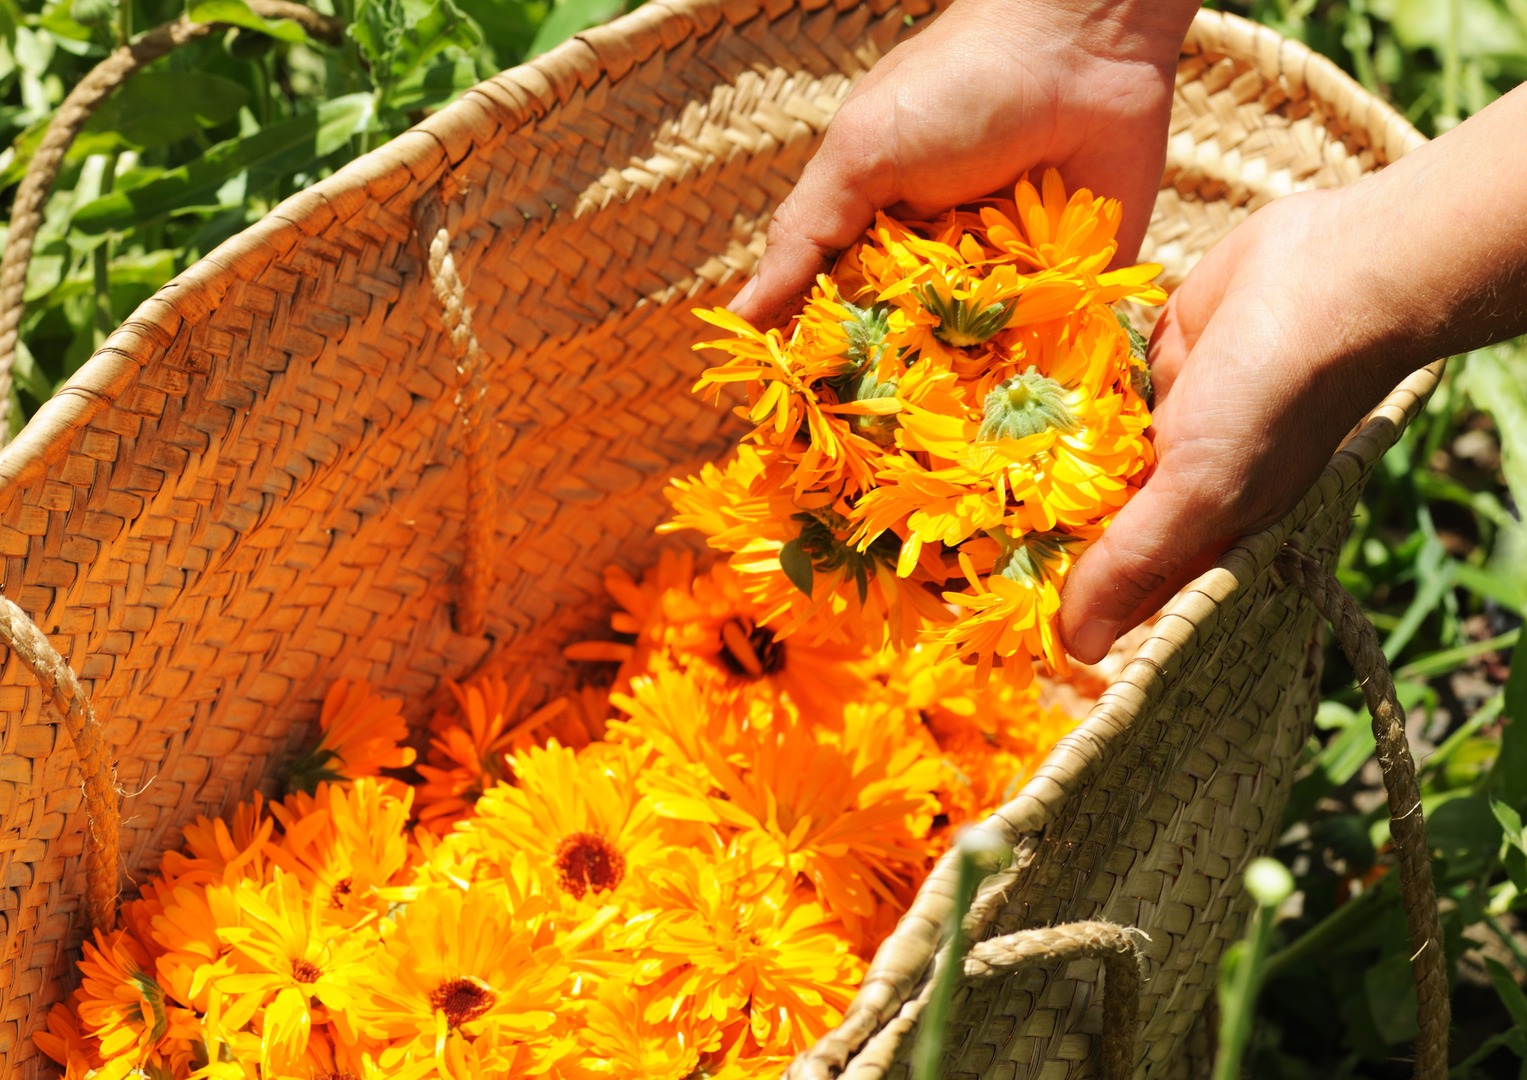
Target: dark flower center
{"points": [[341, 893], [462, 1000], [587, 861], [749, 651], [305, 971]]}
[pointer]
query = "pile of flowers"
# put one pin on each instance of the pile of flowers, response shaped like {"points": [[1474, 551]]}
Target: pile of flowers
{"points": [[681, 869], [957, 413], [679, 874]]}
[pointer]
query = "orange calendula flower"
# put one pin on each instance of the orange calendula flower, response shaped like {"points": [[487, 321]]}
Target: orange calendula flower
{"points": [[122, 1006], [361, 734], [66, 1043], [223, 850], [1011, 609], [951, 379], [846, 809], [469, 751]]}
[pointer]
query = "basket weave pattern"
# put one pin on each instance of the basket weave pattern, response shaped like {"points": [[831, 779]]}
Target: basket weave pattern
{"points": [[256, 488]]}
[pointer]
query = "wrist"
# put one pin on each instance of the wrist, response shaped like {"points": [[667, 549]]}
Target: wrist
{"points": [[1135, 31], [1147, 31]]}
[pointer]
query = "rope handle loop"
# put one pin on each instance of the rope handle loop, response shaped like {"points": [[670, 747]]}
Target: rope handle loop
{"points": [[473, 428], [72, 115], [1117, 946], [1418, 895], [102, 816]]}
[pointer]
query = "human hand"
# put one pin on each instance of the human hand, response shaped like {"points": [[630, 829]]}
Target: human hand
{"points": [[990, 90], [1273, 348]]}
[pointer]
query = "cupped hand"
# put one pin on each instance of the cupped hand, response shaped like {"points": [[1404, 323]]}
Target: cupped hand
{"points": [[990, 90], [1264, 359]]}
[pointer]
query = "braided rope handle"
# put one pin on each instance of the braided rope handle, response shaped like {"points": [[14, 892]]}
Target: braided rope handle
{"points": [[1407, 826], [102, 846], [72, 115], [1115, 945], [473, 421]]}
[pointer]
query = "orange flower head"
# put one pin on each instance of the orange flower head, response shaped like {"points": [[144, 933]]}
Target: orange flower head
{"points": [[361, 734]]}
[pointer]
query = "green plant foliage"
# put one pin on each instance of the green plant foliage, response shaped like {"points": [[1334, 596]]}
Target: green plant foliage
{"points": [[206, 141]]}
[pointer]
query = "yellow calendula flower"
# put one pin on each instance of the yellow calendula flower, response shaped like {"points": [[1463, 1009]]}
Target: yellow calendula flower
{"points": [[623, 1036], [988, 388], [469, 973], [1049, 231], [344, 843], [728, 932], [792, 414], [291, 969], [579, 816], [799, 567]]}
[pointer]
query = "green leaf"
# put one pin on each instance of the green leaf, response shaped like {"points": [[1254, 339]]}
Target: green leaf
{"points": [[1512, 769], [1434, 573], [1511, 995], [796, 564], [239, 13], [1496, 380], [441, 25], [10, 18], [1337, 763], [311, 137], [570, 17], [435, 84], [376, 29], [508, 29], [1465, 832], [1392, 998], [1510, 823], [397, 37], [153, 109]]}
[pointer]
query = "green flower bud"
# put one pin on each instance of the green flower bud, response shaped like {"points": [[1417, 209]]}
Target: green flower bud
{"points": [[1026, 405]]}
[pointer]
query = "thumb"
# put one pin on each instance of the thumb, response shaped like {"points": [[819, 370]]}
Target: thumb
{"points": [[832, 204], [1165, 536]]}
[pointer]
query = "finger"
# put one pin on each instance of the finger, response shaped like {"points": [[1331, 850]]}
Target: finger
{"points": [[1128, 172], [832, 204], [1160, 540], [1167, 352]]}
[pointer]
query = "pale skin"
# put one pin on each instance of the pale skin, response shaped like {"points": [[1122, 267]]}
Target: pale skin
{"points": [[1279, 341]]}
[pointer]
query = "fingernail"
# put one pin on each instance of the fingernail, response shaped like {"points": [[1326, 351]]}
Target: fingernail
{"points": [[742, 297], [1094, 640]]}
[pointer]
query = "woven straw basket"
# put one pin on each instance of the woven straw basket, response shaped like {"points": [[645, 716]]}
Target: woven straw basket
{"points": [[403, 424]]}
